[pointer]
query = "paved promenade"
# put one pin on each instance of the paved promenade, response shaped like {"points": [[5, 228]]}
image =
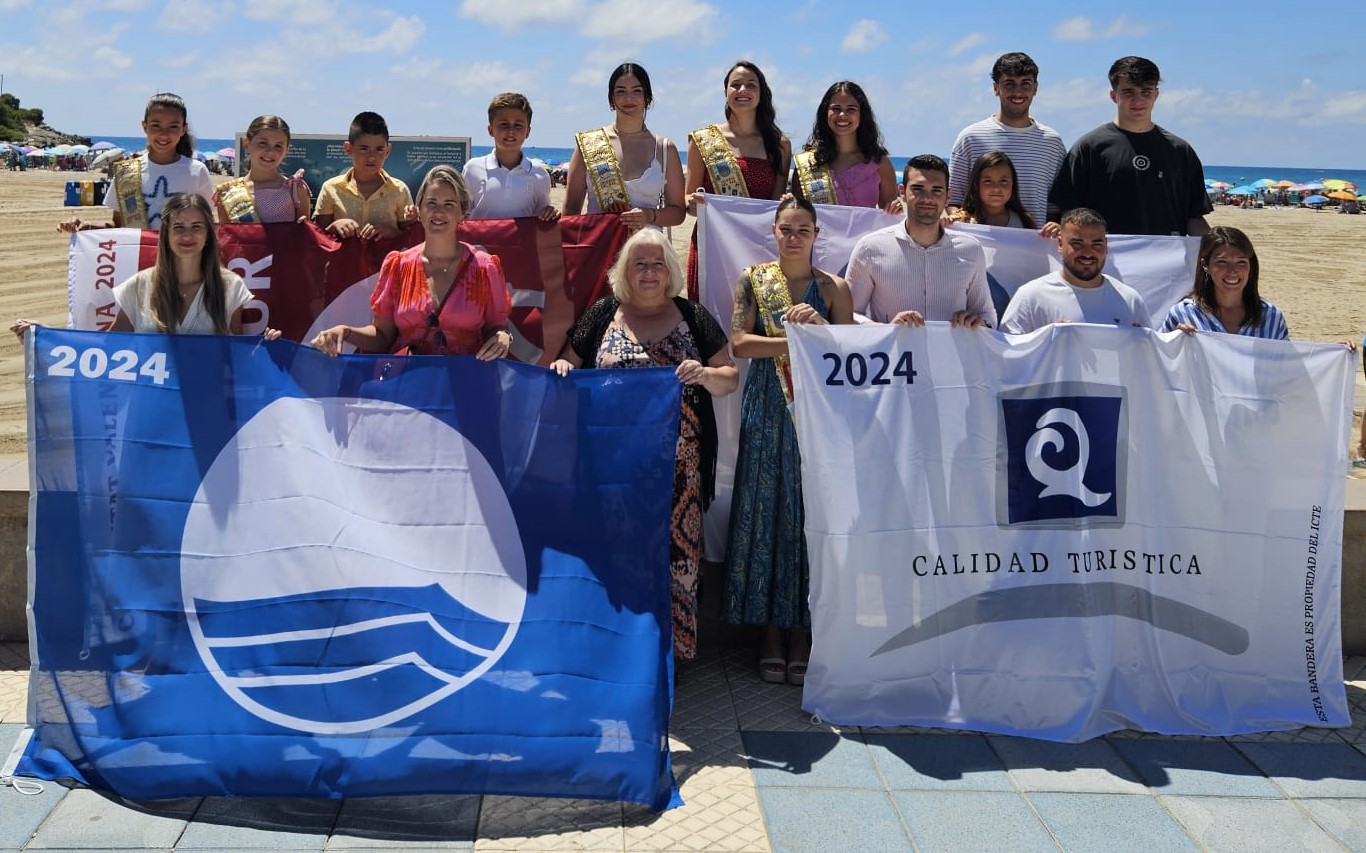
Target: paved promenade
{"points": [[758, 774]]}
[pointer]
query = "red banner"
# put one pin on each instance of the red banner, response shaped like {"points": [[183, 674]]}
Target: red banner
{"points": [[304, 279]]}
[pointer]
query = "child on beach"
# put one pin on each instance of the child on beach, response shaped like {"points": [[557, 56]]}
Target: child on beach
{"points": [[506, 184], [365, 201], [265, 195], [991, 198], [142, 185]]}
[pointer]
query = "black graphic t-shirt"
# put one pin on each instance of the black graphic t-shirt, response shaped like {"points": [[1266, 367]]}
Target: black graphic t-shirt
{"points": [[1142, 183]]}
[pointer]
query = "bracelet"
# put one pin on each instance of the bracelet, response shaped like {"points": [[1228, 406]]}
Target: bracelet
{"points": [[654, 214]]}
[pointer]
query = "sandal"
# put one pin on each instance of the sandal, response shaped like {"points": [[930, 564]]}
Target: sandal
{"points": [[773, 670], [796, 672]]}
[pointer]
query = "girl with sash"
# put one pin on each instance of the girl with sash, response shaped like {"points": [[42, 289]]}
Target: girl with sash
{"points": [[845, 161], [604, 157], [142, 185], [767, 577], [746, 155], [265, 195]]}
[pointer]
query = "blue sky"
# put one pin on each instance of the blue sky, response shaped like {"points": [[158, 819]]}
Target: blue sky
{"points": [[1247, 84]]}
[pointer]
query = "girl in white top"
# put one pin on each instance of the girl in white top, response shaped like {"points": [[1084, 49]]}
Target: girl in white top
{"points": [[187, 291], [649, 164], [166, 168]]}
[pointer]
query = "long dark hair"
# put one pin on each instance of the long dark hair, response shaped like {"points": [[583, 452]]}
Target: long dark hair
{"points": [[869, 138], [168, 101], [166, 304], [972, 199], [635, 71], [764, 115], [1203, 290]]}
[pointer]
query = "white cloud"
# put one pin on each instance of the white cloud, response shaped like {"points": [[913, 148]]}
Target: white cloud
{"points": [[1084, 29], [401, 36], [184, 60], [193, 16], [511, 17], [14, 5], [641, 21], [865, 35], [297, 12], [967, 42]]}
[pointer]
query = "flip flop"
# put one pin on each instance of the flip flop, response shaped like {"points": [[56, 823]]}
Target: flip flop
{"points": [[773, 670], [796, 672]]}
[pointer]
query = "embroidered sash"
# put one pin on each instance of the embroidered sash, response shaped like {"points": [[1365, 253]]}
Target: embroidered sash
{"points": [[238, 201], [772, 299], [726, 178], [818, 184], [604, 173], [128, 191]]}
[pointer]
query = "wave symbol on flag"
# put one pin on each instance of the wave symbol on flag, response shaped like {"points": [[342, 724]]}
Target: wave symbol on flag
{"points": [[348, 562]]}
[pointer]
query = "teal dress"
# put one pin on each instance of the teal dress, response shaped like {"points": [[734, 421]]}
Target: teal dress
{"points": [[768, 579]]}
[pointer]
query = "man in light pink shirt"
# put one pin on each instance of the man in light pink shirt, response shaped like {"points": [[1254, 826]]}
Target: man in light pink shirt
{"points": [[916, 271]]}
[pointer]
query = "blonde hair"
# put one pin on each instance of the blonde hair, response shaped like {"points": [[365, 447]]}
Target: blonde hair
{"points": [[616, 277], [444, 174]]}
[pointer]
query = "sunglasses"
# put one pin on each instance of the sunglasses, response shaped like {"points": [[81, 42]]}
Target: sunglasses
{"points": [[438, 337]]}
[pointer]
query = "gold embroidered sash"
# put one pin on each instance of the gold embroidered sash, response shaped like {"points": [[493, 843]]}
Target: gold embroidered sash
{"points": [[604, 173], [726, 178], [128, 191], [237, 200], [817, 182], [773, 299]]}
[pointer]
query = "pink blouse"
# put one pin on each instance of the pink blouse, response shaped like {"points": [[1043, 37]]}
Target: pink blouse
{"points": [[478, 304], [859, 185]]}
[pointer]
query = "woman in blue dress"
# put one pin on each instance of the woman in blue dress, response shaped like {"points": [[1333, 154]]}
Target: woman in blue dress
{"points": [[767, 575]]}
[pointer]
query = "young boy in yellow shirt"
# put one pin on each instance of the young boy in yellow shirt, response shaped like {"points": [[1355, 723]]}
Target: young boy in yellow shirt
{"points": [[365, 201]]}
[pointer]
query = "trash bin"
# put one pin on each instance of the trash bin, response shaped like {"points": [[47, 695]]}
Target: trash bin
{"points": [[101, 187], [73, 194]]}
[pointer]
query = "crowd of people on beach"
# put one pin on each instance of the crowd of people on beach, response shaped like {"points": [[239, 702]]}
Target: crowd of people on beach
{"points": [[445, 297]]}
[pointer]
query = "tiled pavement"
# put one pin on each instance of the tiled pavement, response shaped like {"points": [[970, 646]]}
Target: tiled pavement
{"points": [[758, 774]]}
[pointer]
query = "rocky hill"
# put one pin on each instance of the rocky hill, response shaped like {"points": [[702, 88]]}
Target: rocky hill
{"points": [[42, 136]]}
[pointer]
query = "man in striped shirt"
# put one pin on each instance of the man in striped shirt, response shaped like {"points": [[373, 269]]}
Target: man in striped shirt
{"points": [[915, 270], [1035, 149]]}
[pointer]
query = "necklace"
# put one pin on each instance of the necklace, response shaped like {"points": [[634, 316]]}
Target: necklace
{"points": [[441, 267]]}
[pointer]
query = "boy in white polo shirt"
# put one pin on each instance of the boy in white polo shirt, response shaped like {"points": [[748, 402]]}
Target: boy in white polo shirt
{"points": [[506, 184]]}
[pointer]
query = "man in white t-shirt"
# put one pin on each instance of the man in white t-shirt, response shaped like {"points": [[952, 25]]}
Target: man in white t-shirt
{"points": [[1035, 149], [1079, 292]]}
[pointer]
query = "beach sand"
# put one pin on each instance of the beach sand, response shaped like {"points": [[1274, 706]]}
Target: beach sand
{"points": [[1309, 269]]}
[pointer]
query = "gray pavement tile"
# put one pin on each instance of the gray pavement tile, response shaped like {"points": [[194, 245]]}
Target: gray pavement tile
{"points": [[1205, 768], [1311, 769], [1345, 819], [527, 823], [1092, 767], [824, 820], [1236, 824], [441, 821], [934, 763], [1110, 822], [704, 703], [260, 824], [810, 760], [86, 820], [943, 820], [22, 814], [1354, 668]]}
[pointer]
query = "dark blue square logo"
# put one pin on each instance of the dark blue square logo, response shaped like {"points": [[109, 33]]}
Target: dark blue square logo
{"points": [[1060, 461]]}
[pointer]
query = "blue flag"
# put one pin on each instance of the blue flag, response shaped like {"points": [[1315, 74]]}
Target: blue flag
{"points": [[260, 571]]}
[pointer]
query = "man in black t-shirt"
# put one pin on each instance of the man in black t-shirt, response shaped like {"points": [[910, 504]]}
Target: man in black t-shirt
{"points": [[1141, 178]]}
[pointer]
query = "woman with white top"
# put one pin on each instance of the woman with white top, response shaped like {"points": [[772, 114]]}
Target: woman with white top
{"points": [[624, 167]]}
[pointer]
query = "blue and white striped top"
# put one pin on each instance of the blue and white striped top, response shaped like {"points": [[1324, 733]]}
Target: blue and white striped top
{"points": [[1186, 311]]}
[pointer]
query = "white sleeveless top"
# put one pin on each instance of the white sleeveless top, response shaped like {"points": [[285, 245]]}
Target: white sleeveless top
{"points": [[646, 190]]}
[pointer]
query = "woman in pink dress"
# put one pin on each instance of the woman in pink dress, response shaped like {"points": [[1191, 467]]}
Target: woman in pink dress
{"points": [[442, 296], [845, 144], [747, 150]]}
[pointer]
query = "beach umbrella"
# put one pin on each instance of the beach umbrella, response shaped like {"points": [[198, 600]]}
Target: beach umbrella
{"points": [[1314, 199], [1263, 183], [1343, 195], [102, 146], [27, 149], [1335, 183], [1285, 185], [1243, 191], [1312, 185], [228, 153], [80, 149], [208, 155], [1218, 185], [108, 155]]}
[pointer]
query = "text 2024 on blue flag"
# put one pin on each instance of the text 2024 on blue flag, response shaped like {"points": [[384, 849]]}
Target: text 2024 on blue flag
{"points": [[256, 570]]}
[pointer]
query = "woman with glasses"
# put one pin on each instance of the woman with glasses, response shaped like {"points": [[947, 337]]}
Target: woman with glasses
{"points": [[442, 296]]}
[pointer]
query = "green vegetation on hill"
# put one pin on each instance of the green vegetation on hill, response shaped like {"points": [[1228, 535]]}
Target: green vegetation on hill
{"points": [[14, 119]]}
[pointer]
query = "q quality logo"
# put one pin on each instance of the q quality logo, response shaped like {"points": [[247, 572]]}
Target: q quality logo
{"points": [[1061, 460]]}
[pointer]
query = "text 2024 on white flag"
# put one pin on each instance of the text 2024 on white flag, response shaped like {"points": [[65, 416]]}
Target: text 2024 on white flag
{"points": [[1077, 531]]}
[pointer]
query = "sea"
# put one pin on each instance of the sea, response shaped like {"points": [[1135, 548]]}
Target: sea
{"points": [[1235, 175]]}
